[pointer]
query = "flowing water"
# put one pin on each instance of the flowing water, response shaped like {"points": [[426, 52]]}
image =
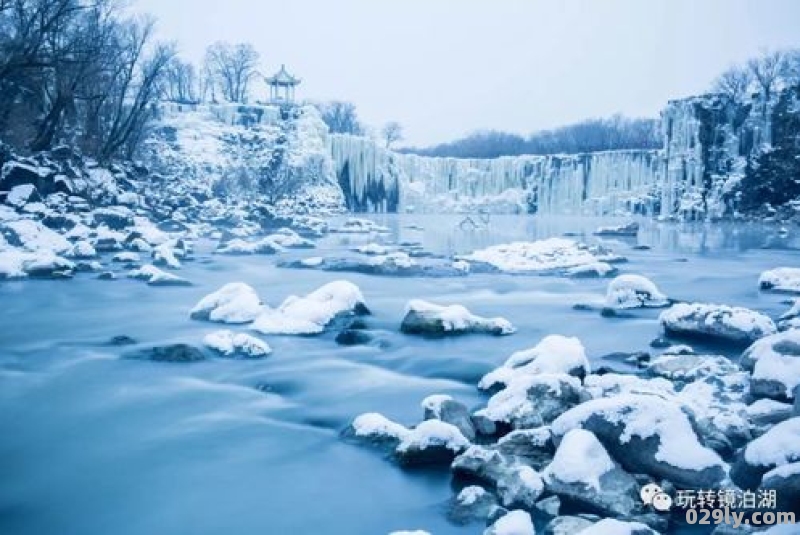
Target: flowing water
{"points": [[94, 444]]}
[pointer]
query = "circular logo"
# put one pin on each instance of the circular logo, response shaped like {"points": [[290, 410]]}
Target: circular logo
{"points": [[649, 492], [662, 502]]}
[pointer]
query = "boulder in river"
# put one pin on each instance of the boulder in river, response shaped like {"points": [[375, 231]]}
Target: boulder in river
{"points": [[429, 319]]}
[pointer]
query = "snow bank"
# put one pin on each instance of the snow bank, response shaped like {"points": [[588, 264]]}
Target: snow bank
{"points": [[634, 291], [552, 254], [235, 302], [312, 313], [423, 317]]}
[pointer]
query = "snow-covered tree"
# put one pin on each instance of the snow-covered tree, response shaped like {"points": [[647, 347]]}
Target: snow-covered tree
{"points": [[392, 132], [231, 68]]}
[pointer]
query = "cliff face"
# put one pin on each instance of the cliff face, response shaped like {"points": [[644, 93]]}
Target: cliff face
{"points": [[709, 144]]}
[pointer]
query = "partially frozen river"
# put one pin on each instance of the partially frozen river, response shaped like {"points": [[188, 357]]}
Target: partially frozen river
{"points": [[92, 444]]}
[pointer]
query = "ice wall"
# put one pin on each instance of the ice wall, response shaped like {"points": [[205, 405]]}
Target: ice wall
{"points": [[376, 179], [708, 141]]}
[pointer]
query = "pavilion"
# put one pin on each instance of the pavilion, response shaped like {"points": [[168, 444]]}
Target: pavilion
{"points": [[282, 86]]}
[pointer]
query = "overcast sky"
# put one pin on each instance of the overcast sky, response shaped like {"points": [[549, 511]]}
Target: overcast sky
{"points": [[444, 68]]}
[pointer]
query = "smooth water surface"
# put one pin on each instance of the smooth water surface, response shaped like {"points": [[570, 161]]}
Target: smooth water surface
{"points": [[92, 444]]}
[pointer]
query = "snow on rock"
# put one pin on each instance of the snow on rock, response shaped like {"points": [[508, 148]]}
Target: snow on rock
{"points": [[312, 313], [593, 270], [16, 264], [612, 384], [785, 480], [520, 486], [777, 447], [775, 364], [289, 239], [634, 291], [445, 408], [431, 442], [721, 322], [235, 302], [230, 343], [791, 318], [20, 195], [430, 319], [82, 250], [472, 504], [128, 257], [647, 434], [686, 368], [373, 248], [553, 354], [628, 229], [583, 445], [359, 226], [782, 279], [33, 236], [156, 277], [166, 255], [375, 428], [237, 246], [529, 401], [765, 413], [595, 482], [612, 526], [550, 255], [516, 522]]}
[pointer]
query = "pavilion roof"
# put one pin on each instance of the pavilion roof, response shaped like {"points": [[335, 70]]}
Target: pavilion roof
{"points": [[282, 77]]}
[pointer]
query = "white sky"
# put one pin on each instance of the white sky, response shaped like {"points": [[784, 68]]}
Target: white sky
{"points": [[444, 68]]}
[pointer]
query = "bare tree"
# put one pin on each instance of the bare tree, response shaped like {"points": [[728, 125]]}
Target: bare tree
{"points": [[735, 82], [767, 70], [232, 68], [181, 81], [392, 132], [340, 117]]}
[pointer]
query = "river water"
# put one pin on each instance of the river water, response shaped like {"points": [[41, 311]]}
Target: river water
{"points": [[92, 444]]}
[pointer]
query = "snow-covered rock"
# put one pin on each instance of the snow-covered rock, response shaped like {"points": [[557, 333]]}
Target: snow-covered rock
{"points": [[482, 463], [472, 503], [722, 322], [595, 483], [687, 368], [33, 236], [430, 319], [567, 525], [128, 257], [764, 413], [373, 248], [777, 447], [520, 487], [166, 255], [791, 318], [550, 255], [634, 291], [785, 481], [533, 446], [82, 250], [114, 217], [376, 429], [22, 194], [517, 522], [529, 401], [593, 270], [553, 354], [156, 277], [628, 229], [431, 442], [312, 313], [355, 225], [612, 526], [445, 408], [648, 434], [235, 302], [16, 264], [289, 239], [775, 364], [237, 246], [230, 343], [783, 279]]}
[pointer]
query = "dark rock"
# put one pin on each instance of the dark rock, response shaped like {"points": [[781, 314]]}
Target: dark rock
{"points": [[115, 219], [449, 411], [660, 343], [353, 337], [121, 340], [785, 481], [472, 504], [169, 353]]}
